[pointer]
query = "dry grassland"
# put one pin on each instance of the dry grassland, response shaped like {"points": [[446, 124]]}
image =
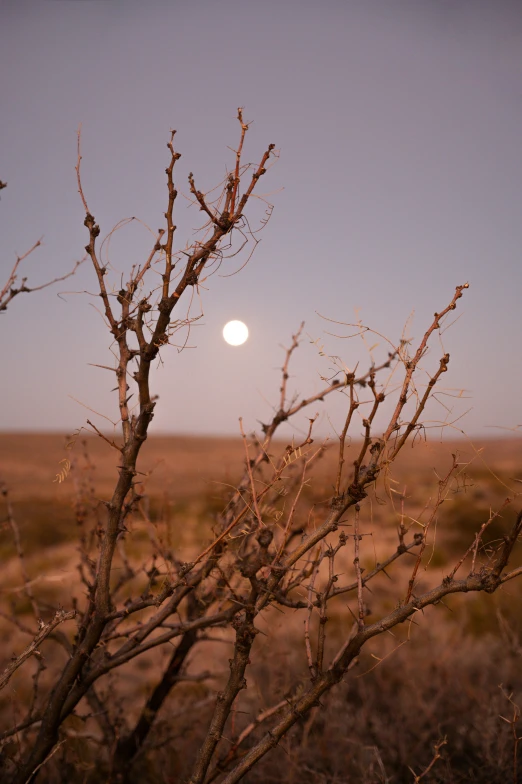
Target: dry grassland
{"points": [[425, 690]]}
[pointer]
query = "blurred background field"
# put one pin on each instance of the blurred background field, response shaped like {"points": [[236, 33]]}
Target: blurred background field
{"points": [[449, 680], [198, 473]]}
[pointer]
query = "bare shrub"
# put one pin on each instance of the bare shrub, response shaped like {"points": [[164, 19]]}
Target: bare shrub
{"points": [[277, 561]]}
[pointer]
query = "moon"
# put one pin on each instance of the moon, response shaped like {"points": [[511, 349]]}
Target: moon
{"points": [[235, 333]]}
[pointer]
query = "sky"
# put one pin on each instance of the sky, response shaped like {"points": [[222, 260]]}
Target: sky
{"points": [[398, 127]]}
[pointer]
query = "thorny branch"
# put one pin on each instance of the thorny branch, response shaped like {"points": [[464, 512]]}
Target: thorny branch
{"points": [[10, 290], [32, 649]]}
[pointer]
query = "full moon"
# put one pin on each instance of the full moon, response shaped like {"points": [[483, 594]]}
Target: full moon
{"points": [[235, 333]]}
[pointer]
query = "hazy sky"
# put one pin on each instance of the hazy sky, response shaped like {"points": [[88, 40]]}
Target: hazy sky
{"points": [[399, 126]]}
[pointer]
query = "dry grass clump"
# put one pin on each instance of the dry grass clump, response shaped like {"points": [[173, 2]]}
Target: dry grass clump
{"points": [[381, 726]]}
